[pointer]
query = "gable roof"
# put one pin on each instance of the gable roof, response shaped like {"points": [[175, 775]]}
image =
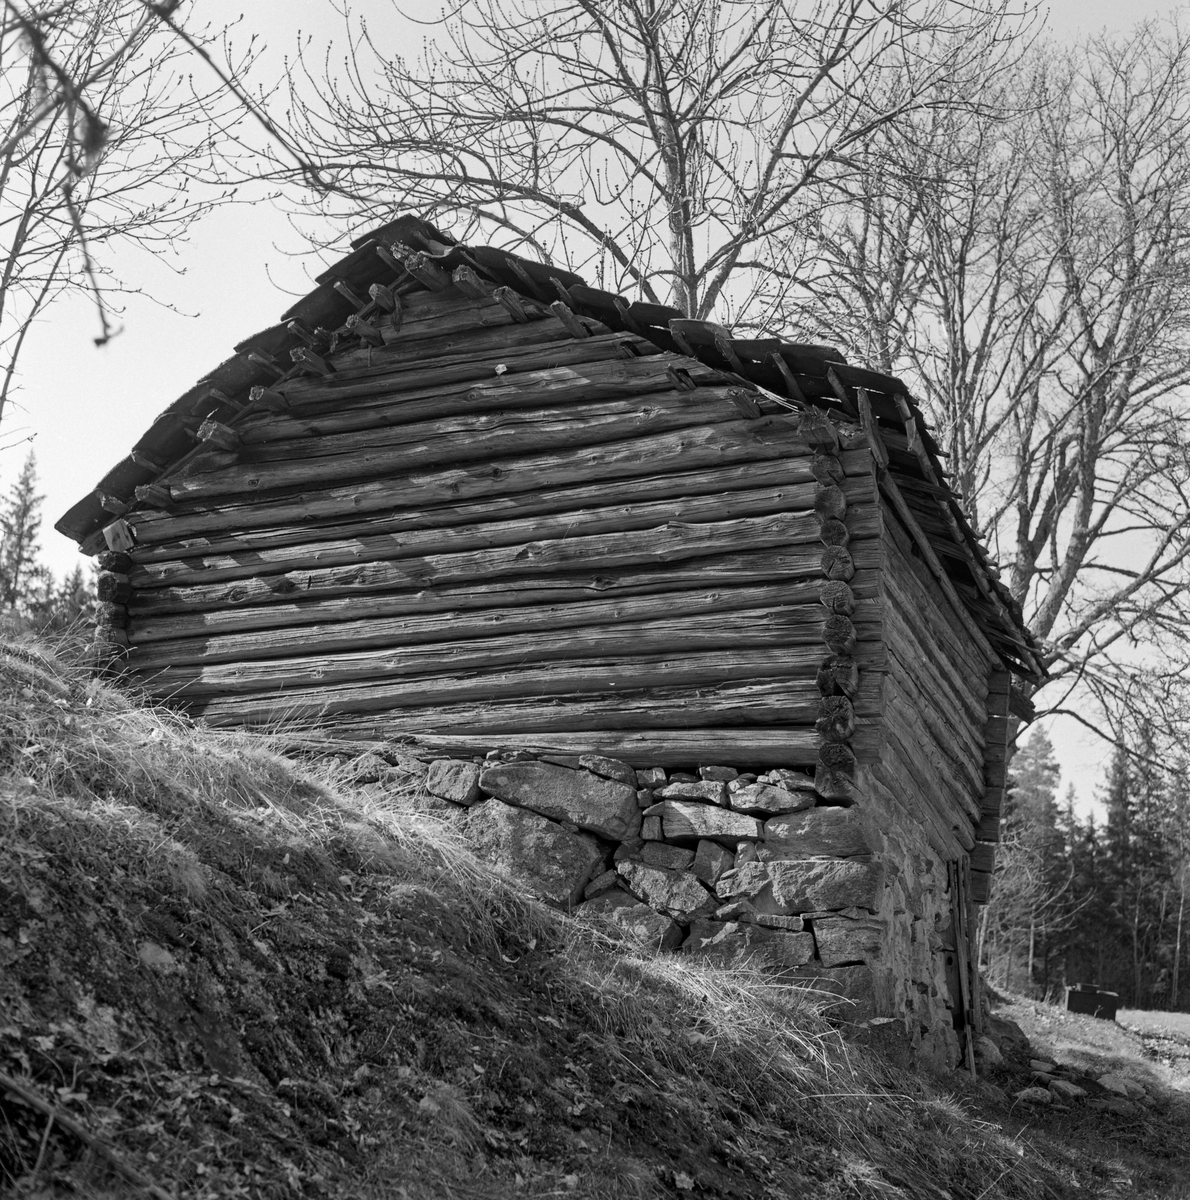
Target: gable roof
{"points": [[408, 254]]}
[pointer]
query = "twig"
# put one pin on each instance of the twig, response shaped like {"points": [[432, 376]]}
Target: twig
{"points": [[73, 1127]]}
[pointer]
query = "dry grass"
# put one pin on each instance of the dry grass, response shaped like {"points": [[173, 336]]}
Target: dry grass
{"points": [[256, 977]]}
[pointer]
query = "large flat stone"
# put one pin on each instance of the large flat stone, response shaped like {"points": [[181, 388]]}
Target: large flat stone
{"points": [[602, 806], [678, 894], [837, 832], [710, 791], [841, 941], [453, 779], [635, 920], [812, 885], [765, 798], [687, 820], [731, 943], [553, 864]]}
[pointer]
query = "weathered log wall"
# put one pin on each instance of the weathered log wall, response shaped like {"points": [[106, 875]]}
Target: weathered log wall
{"points": [[497, 532]]}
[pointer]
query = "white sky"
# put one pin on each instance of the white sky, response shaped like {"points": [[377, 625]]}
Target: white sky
{"points": [[84, 407]]}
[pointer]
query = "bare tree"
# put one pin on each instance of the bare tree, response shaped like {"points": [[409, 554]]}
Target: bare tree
{"points": [[1026, 265], [666, 145], [102, 135]]}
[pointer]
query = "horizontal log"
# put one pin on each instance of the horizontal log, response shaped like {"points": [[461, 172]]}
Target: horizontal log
{"points": [[666, 544], [458, 625], [747, 749], [755, 703], [461, 539], [582, 676], [460, 385], [791, 626], [780, 473], [594, 390], [734, 442], [791, 568], [440, 443]]}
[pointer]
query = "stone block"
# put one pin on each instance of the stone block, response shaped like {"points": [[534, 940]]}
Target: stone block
{"points": [[741, 781], [685, 820], [793, 781], [768, 799], [743, 910], [598, 805], [661, 854], [601, 883], [710, 862], [841, 941], [731, 943], [645, 798], [553, 864], [678, 894], [650, 777], [837, 832], [1065, 1090], [634, 920], [786, 887], [453, 779], [720, 774], [650, 829], [608, 768], [709, 791]]}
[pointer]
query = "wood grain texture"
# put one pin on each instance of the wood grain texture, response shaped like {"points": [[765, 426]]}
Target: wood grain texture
{"points": [[383, 547], [590, 676], [693, 485], [731, 443], [333, 461], [624, 642], [668, 544], [488, 621]]}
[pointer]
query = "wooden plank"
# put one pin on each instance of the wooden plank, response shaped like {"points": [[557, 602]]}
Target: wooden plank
{"points": [[625, 640], [587, 676], [457, 540], [734, 442], [693, 485], [667, 544], [459, 625]]}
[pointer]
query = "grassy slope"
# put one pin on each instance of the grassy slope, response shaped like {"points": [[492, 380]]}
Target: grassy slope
{"points": [[256, 978]]}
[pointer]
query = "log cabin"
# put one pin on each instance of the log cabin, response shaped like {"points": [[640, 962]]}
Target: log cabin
{"points": [[459, 501]]}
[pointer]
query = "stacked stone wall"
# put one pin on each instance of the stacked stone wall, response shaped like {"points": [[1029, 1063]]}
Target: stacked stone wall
{"points": [[735, 867]]}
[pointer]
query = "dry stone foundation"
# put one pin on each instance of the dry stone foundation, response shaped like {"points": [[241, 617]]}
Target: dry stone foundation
{"points": [[736, 868]]}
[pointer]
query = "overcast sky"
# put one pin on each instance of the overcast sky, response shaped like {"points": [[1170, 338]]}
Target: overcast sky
{"points": [[84, 407]]}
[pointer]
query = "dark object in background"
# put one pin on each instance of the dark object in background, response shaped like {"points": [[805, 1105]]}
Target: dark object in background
{"points": [[1083, 998]]}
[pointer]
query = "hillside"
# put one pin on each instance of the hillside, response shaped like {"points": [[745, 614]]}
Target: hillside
{"points": [[226, 973]]}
